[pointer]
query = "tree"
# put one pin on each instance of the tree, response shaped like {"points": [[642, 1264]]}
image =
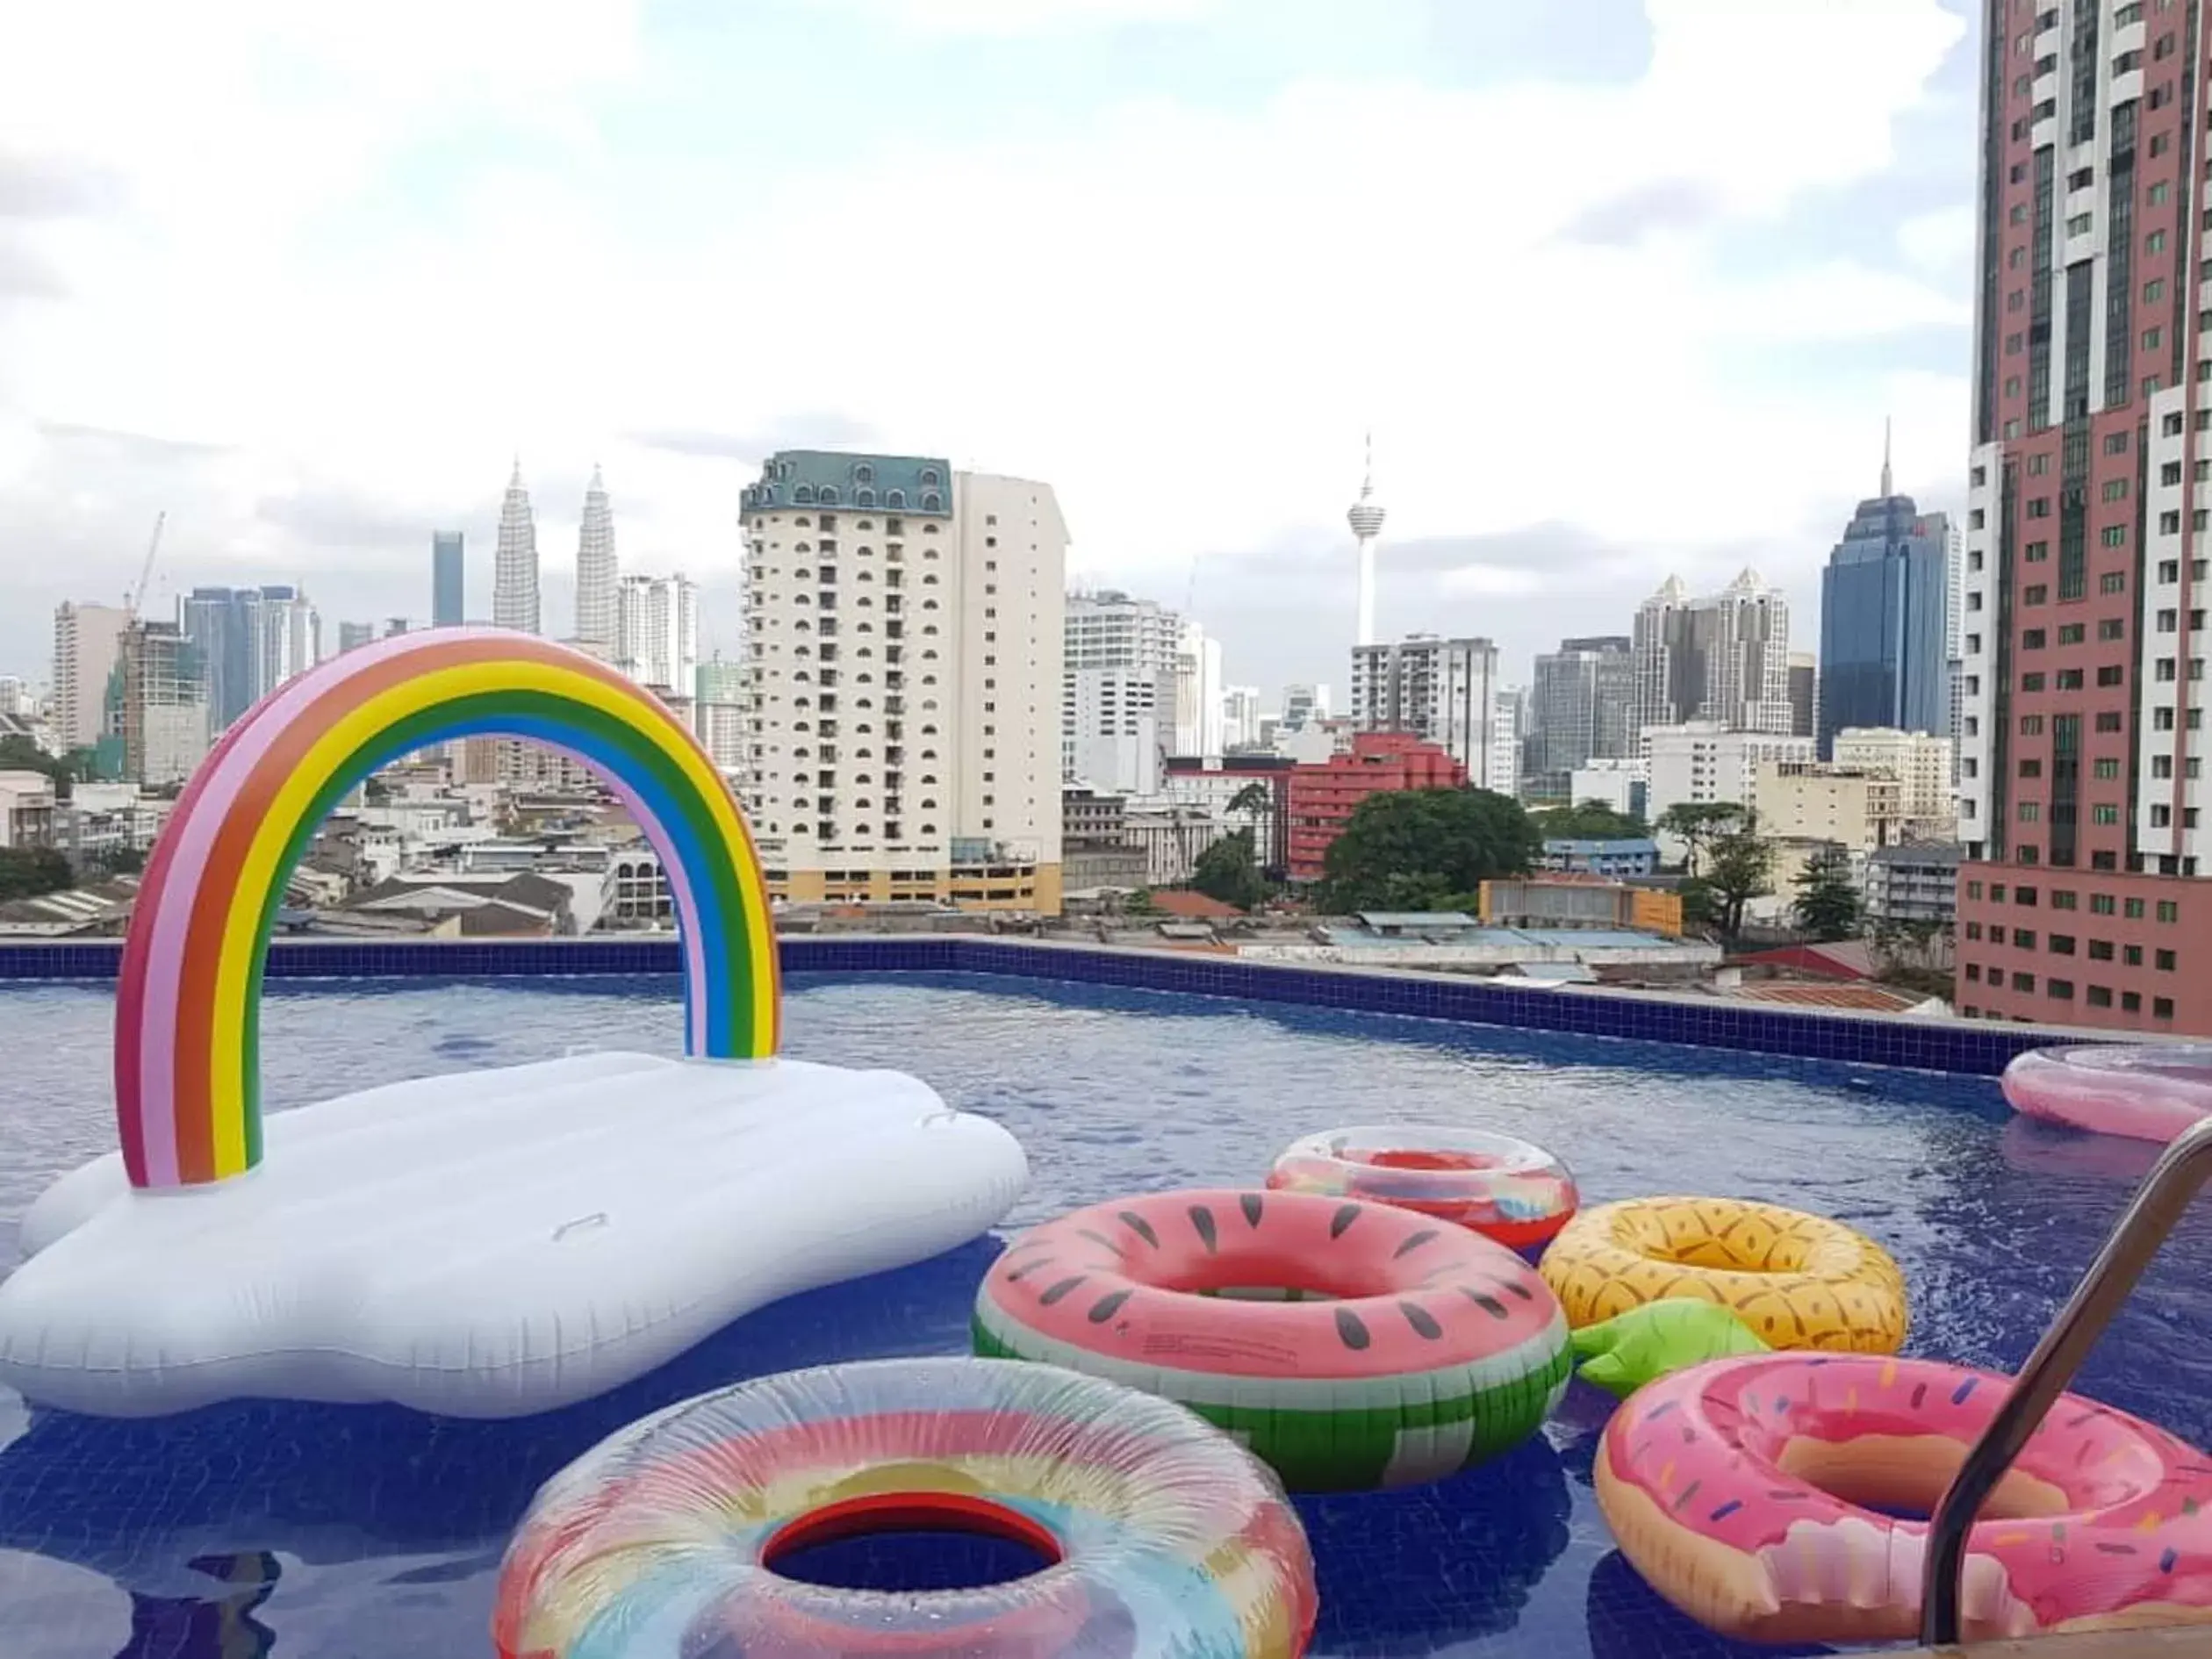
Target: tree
{"points": [[1229, 871], [1827, 903], [1428, 844], [1589, 821], [1736, 873], [1253, 800], [1700, 822], [27, 872]]}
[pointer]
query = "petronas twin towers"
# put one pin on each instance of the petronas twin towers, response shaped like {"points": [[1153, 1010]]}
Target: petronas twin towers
{"points": [[515, 585]]}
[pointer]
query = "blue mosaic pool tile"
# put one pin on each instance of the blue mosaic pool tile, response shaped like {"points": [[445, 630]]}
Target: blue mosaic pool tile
{"points": [[1932, 1046]]}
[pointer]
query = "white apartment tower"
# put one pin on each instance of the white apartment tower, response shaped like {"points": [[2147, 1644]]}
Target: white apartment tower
{"points": [[87, 646], [598, 592], [1509, 732], [514, 567], [1198, 687], [906, 635], [1707, 763], [1723, 658], [1118, 692], [656, 631], [1444, 690]]}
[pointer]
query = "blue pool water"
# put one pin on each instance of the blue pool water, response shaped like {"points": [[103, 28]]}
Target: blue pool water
{"points": [[376, 1534]]}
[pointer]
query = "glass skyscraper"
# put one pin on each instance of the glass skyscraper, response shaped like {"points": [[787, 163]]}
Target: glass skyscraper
{"points": [[448, 597], [1888, 621]]}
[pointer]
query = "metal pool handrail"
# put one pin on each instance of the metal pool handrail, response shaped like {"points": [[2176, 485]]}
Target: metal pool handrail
{"points": [[2158, 1204]]}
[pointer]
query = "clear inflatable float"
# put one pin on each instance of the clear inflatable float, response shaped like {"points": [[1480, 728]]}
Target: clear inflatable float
{"points": [[484, 1243]]}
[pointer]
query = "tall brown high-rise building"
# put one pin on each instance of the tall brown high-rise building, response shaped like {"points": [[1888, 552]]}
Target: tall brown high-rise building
{"points": [[2082, 695]]}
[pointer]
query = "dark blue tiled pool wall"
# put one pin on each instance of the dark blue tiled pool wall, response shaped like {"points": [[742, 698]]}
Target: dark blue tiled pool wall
{"points": [[1933, 1045]]}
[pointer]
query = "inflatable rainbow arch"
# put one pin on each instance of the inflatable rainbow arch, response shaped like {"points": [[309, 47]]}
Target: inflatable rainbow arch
{"points": [[487, 1243], [187, 1068]]}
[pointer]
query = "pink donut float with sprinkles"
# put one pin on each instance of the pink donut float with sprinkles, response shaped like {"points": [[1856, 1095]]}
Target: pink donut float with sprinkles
{"points": [[1751, 1492]]}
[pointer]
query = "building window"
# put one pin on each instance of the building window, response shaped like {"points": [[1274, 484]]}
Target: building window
{"points": [[2169, 910], [2100, 950], [2100, 904], [2099, 996], [2161, 1007], [2062, 990], [2113, 582]]}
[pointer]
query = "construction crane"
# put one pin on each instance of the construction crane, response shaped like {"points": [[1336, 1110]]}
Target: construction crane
{"points": [[146, 571]]}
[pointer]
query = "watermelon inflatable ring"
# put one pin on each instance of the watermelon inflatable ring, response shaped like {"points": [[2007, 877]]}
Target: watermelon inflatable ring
{"points": [[1510, 1190], [1348, 1345]]}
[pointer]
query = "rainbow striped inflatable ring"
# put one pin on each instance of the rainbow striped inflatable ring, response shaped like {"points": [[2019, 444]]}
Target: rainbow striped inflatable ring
{"points": [[1751, 1492], [188, 1001], [1349, 1344], [1162, 1539]]}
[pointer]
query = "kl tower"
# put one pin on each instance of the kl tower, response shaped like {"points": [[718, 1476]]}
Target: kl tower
{"points": [[1366, 520]]}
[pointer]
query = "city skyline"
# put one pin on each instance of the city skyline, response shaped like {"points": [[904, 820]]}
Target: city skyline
{"points": [[1840, 246]]}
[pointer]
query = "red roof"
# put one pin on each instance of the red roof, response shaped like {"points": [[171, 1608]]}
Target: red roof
{"points": [[1870, 998], [1845, 959]]}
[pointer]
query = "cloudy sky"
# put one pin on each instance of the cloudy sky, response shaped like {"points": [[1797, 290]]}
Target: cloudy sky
{"points": [[1623, 288]]}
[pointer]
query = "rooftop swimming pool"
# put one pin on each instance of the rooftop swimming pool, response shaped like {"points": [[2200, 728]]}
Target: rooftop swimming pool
{"points": [[367, 1531]]}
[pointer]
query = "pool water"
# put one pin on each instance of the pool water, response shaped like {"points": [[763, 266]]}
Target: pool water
{"points": [[374, 1533]]}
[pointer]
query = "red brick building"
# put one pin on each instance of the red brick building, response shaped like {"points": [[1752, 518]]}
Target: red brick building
{"points": [[1322, 797], [2083, 637]]}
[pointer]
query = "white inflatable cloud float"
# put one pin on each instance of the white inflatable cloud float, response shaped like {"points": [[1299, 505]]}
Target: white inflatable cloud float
{"points": [[484, 1243], [492, 1243]]}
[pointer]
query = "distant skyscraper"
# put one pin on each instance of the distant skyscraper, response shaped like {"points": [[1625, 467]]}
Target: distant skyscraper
{"points": [[1886, 619], [1443, 690], [163, 706], [88, 643], [658, 631], [1724, 658], [1804, 694], [353, 636], [723, 695], [597, 609], [1198, 724], [514, 571], [1579, 704], [1366, 519], [1119, 696], [1302, 704], [246, 643], [448, 579], [1240, 718], [1509, 736]]}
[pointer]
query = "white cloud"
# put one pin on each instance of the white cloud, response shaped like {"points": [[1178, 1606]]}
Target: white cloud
{"points": [[1489, 581], [1028, 17], [1182, 318], [1940, 243]]}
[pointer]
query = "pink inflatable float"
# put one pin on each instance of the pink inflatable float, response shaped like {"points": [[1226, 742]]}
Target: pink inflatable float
{"points": [[2152, 1092], [1759, 1494]]}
